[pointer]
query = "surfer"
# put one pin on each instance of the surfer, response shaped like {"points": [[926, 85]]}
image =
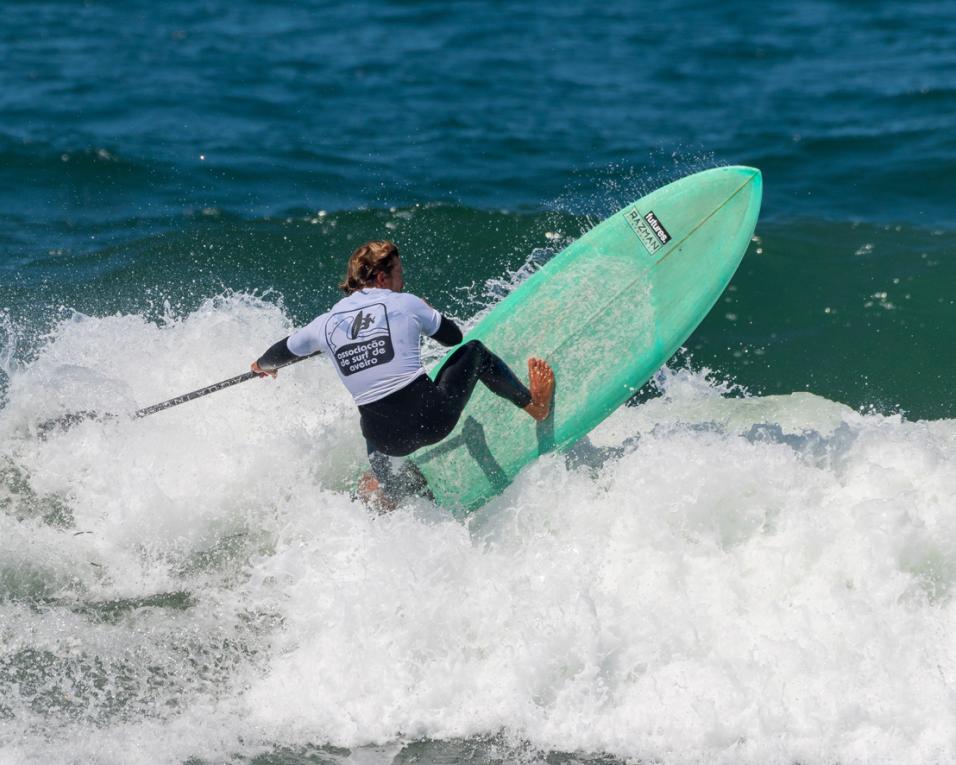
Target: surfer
{"points": [[373, 336]]}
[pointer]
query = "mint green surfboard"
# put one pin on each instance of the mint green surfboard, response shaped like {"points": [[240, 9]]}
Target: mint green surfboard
{"points": [[606, 313]]}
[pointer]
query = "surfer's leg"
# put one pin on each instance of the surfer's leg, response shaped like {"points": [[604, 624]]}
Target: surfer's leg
{"points": [[424, 412], [390, 480], [473, 362], [380, 481]]}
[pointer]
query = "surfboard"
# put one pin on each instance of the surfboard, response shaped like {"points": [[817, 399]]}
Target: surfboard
{"points": [[606, 312]]}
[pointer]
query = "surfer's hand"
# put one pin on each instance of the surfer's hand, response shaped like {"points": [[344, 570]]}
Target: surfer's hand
{"points": [[260, 372]]}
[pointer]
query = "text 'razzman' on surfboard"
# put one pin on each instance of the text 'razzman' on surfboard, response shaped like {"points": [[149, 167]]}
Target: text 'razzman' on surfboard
{"points": [[649, 229]]}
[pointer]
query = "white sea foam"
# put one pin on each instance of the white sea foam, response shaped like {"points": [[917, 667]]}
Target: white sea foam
{"points": [[712, 578]]}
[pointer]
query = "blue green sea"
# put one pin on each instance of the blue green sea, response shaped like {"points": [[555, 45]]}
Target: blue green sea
{"points": [[751, 562]]}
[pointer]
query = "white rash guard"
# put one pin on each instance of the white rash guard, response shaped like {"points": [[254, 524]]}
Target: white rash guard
{"points": [[373, 337]]}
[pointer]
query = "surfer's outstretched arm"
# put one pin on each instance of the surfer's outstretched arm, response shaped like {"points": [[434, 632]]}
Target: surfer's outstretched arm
{"points": [[277, 355], [305, 342]]}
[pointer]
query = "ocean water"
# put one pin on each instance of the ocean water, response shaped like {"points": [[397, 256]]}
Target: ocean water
{"points": [[751, 562]]}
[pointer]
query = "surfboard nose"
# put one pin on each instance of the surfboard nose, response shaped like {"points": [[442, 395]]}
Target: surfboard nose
{"points": [[720, 184], [749, 173], [746, 170], [745, 174], [750, 181], [752, 174], [735, 190]]}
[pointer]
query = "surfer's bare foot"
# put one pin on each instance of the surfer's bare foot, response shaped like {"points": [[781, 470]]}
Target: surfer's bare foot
{"points": [[370, 492], [541, 385]]}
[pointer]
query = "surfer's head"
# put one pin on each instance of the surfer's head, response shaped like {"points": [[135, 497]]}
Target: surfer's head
{"points": [[374, 264]]}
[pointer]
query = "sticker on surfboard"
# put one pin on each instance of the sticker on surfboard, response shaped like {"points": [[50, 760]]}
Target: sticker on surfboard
{"points": [[648, 228]]}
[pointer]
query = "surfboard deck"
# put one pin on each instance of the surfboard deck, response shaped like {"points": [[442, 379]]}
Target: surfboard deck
{"points": [[607, 312]]}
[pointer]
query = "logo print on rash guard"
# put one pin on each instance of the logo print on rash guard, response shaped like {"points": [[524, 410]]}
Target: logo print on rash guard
{"points": [[361, 338], [361, 322]]}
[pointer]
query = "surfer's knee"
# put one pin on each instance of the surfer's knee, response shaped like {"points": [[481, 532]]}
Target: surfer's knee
{"points": [[467, 349], [473, 348], [481, 351], [485, 359]]}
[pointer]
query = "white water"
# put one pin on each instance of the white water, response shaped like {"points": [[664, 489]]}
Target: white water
{"points": [[744, 580]]}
